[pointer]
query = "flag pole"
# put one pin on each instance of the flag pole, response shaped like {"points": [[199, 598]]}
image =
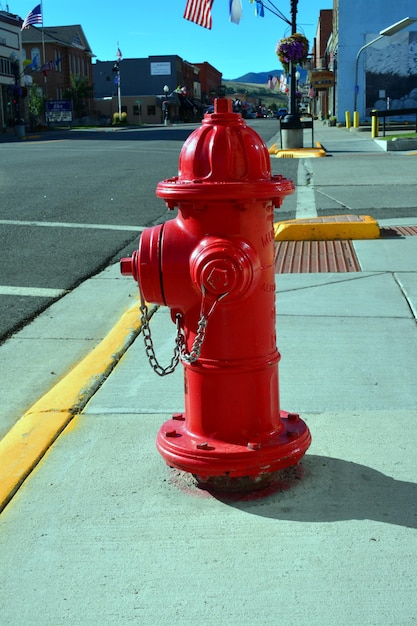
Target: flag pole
{"points": [[43, 54], [119, 98], [43, 37]]}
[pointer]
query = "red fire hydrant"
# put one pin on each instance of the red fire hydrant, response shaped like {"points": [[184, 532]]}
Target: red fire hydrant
{"points": [[213, 266]]}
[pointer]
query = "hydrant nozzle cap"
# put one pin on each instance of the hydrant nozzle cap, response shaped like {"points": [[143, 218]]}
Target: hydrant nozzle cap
{"points": [[223, 105], [126, 266]]}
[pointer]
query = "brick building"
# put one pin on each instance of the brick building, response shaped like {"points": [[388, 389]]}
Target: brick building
{"points": [[210, 79], [52, 55], [321, 104]]}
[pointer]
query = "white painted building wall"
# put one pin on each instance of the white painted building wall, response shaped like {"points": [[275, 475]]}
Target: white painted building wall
{"points": [[360, 21]]}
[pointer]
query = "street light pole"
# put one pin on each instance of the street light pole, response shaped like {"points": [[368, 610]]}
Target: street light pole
{"points": [[116, 69], [119, 94], [293, 64], [166, 92], [386, 32], [292, 129]]}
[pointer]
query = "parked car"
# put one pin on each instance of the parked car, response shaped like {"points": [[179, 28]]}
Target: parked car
{"points": [[281, 113], [261, 112]]}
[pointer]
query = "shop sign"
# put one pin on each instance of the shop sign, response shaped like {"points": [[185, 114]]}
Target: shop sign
{"points": [[322, 79]]}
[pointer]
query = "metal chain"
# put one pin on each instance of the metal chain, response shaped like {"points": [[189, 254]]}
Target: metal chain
{"points": [[195, 352], [149, 347], [179, 348]]}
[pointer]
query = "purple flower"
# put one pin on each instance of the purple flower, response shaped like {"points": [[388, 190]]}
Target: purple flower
{"points": [[292, 49]]}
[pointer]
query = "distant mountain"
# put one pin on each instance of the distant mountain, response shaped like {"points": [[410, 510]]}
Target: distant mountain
{"points": [[257, 78], [261, 78]]}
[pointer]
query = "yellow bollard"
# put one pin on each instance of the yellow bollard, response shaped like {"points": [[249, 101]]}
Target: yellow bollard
{"points": [[355, 119], [374, 127], [347, 117]]}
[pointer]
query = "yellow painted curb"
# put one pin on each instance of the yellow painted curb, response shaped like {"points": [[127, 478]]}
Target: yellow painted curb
{"points": [[297, 153], [28, 137], [327, 228], [29, 439]]}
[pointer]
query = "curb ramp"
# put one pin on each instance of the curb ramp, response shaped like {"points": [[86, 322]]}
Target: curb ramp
{"points": [[297, 153], [327, 228]]}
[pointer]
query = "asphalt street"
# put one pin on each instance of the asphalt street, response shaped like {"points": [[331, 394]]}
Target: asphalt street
{"points": [[71, 202], [79, 200]]}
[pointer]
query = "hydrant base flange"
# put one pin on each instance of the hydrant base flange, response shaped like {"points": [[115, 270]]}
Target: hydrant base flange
{"points": [[211, 458]]}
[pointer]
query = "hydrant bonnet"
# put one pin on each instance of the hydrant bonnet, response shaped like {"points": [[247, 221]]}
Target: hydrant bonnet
{"points": [[224, 159]]}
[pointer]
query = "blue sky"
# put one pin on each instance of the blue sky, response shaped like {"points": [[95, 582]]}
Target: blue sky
{"points": [[144, 28]]}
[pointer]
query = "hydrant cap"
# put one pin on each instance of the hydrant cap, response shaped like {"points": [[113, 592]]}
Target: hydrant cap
{"points": [[224, 150]]}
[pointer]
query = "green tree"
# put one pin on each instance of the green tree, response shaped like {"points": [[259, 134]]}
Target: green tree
{"points": [[35, 104], [80, 91]]}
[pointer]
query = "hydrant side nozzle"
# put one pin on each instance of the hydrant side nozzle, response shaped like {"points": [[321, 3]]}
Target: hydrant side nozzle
{"points": [[127, 266]]}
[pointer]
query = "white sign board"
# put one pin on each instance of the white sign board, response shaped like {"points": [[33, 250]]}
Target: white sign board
{"points": [[161, 68], [57, 111]]}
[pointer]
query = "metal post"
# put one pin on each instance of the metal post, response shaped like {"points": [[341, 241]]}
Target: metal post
{"points": [[292, 127], [293, 66]]}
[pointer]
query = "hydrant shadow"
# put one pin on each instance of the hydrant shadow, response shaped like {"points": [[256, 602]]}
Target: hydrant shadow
{"points": [[324, 489]]}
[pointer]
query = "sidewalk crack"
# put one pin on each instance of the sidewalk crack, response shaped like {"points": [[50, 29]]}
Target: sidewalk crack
{"points": [[405, 296]]}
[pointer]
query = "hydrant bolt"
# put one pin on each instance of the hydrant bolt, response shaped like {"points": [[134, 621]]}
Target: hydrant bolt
{"points": [[293, 417], [218, 279]]}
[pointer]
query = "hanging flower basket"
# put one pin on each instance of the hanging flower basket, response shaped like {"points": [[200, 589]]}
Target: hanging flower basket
{"points": [[293, 49]]}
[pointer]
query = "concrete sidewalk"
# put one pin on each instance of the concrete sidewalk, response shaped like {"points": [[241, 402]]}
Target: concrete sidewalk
{"points": [[103, 532]]}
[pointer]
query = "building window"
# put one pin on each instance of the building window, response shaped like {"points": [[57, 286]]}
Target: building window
{"points": [[151, 109], [35, 55], [5, 67], [58, 57]]}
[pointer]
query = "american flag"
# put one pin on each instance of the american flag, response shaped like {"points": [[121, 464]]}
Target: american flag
{"points": [[51, 65], [199, 12], [34, 17]]}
